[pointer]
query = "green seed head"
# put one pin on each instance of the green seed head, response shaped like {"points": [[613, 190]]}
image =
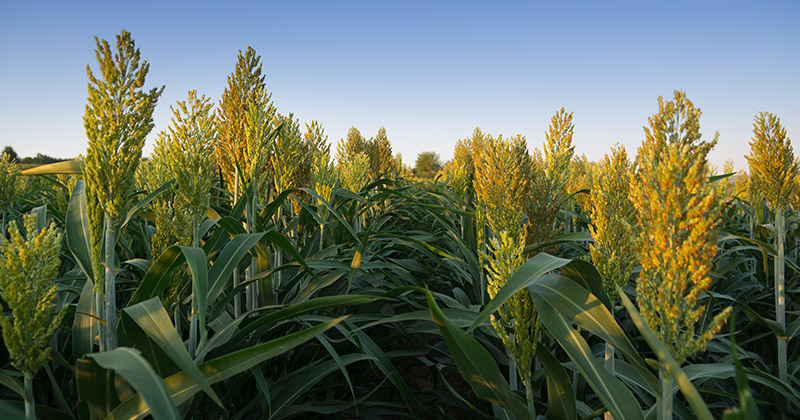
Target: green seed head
{"points": [[28, 268]]}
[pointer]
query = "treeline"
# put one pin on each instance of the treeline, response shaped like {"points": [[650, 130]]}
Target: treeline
{"points": [[39, 159]]}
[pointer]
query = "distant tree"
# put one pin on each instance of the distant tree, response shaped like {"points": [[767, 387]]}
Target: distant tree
{"points": [[12, 155], [427, 164], [39, 159]]}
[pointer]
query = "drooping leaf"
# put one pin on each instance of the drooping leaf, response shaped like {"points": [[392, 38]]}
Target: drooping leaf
{"points": [[129, 364], [76, 225], [534, 268], [154, 320], [181, 387], [477, 366]]}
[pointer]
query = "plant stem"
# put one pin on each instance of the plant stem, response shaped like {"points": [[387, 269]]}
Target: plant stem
{"points": [[194, 311], [529, 397], [99, 305], [250, 293], [237, 299], [780, 293], [30, 406], [110, 288], [665, 411], [512, 369]]}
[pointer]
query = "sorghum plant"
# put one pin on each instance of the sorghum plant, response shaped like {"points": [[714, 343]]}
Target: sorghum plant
{"points": [[118, 117], [28, 268], [774, 174], [187, 149], [612, 228], [549, 177], [9, 171], [677, 225], [501, 186]]}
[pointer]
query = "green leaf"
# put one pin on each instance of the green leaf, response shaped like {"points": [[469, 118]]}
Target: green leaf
{"points": [[615, 396], [84, 323], [569, 237], [476, 365], [256, 322], [129, 364], [145, 201], [588, 276], [534, 268], [196, 259], [74, 167], [229, 259], [9, 412], [560, 395], [9, 382], [76, 225], [671, 366], [158, 278], [297, 386], [181, 387], [154, 320], [582, 307], [97, 394]]}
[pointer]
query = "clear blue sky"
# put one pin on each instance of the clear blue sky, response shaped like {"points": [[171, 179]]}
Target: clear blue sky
{"points": [[430, 72]]}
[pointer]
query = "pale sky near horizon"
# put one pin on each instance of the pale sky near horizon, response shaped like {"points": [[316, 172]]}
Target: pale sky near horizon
{"points": [[430, 72]]}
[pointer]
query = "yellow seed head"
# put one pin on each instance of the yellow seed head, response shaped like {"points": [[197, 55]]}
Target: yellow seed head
{"points": [[677, 225], [501, 181], [613, 220], [773, 169], [548, 178]]}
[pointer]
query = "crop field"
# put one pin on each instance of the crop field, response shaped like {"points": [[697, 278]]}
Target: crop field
{"points": [[246, 269]]}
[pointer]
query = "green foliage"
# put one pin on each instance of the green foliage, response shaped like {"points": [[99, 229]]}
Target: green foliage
{"points": [[28, 268], [412, 264], [427, 164], [9, 171]]}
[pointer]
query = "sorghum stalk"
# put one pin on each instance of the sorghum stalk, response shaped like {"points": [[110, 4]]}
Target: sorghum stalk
{"points": [[187, 150], [773, 173], [780, 292], [28, 269], [118, 117], [30, 405], [237, 300], [110, 288], [612, 216], [501, 186]]}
